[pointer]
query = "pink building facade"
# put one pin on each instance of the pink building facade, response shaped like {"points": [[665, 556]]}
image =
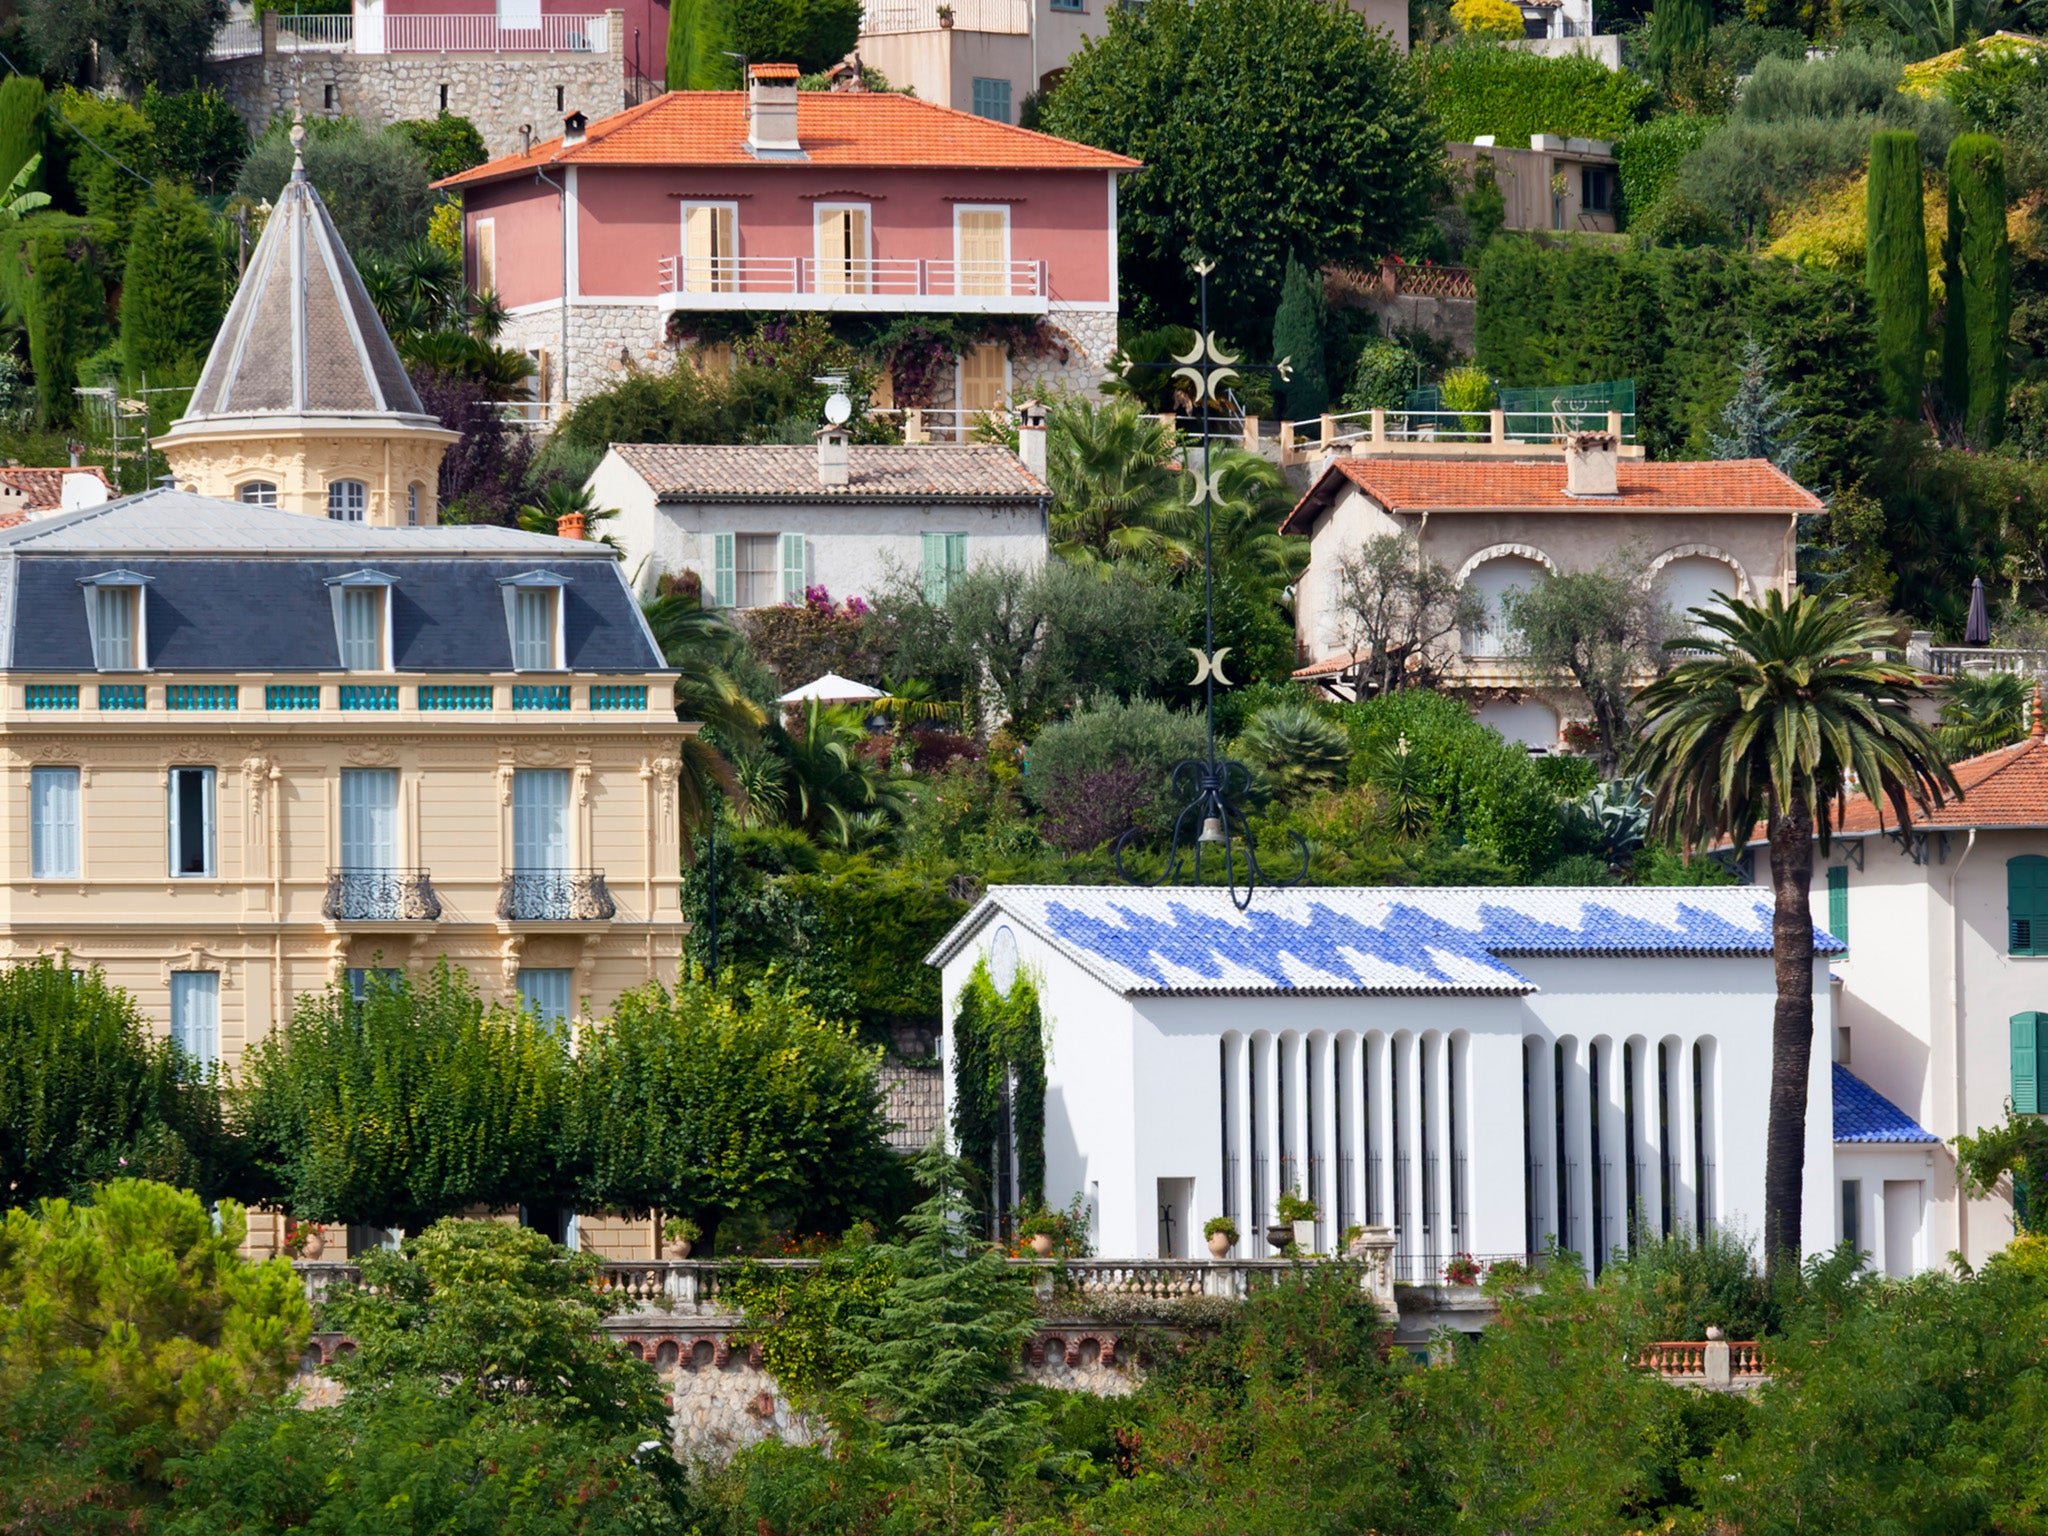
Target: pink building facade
{"points": [[617, 242]]}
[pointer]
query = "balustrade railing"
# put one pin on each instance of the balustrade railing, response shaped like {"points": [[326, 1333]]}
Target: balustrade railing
{"points": [[1012, 16], [380, 896], [485, 33], [1713, 1361], [555, 896], [711, 278]]}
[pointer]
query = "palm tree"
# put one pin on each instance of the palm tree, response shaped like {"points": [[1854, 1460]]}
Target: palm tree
{"points": [[557, 500], [703, 647], [1252, 497], [1981, 712], [832, 785], [1115, 489], [1781, 720]]}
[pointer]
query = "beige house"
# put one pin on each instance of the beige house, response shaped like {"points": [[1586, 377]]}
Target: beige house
{"points": [[1556, 183], [303, 403], [248, 753], [1503, 515]]}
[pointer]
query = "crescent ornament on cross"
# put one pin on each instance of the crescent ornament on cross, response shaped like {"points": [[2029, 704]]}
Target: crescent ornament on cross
{"points": [[1209, 666]]}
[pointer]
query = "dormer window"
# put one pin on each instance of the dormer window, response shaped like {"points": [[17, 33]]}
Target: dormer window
{"points": [[118, 619], [362, 619], [533, 611]]}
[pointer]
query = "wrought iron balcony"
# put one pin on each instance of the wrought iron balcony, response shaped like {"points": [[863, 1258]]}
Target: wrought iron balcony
{"points": [[380, 896], [555, 896]]}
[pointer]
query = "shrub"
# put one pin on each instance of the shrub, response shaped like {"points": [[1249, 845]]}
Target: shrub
{"points": [[1143, 736], [1089, 809], [374, 184], [1648, 158], [1478, 89], [22, 126], [1386, 372], [106, 192], [450, 143], [199, 138], [1490, 20], [1297, 748]]}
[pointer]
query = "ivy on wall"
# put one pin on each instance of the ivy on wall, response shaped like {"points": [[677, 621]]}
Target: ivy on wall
{"points": [[999, 1054], [1481, 88], [1648, 158]]}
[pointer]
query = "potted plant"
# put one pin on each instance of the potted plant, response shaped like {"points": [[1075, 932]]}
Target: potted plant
{"points": [[1461, 1269], [677, 1234], [1299, 1216], [1222, 1234], [303, 1239], [946, 17], [1044, 1230]]}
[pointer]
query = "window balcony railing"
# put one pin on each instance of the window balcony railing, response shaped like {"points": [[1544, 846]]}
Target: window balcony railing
{"points": [[380, 896], [1011, 16], [455, 696], [611, 697], [548, 696], [369, 696], [119, 696], [202, 696], [50, 696], [556, 896], [909, 283], [291, 696]]}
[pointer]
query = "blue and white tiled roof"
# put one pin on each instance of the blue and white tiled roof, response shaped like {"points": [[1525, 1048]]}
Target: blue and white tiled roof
{"points": [[1862, 1114], [1368, 939]]}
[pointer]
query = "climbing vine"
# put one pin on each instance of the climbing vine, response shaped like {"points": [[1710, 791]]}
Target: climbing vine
{"points": [[999, 1055]]}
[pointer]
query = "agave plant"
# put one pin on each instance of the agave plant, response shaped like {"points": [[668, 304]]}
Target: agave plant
{"points": [[1615, 817], [1402, 781], [1297, 749]]}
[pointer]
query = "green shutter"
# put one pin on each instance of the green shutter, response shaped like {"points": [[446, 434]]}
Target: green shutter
{"points": [[2026, 905], [934, 568], [956, 558], [724, 589], [2026, 1079], [793, 569], [1838, 902]]}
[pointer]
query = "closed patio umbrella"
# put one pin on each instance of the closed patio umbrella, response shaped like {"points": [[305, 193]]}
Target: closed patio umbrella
{"points": [[1978, 630]]}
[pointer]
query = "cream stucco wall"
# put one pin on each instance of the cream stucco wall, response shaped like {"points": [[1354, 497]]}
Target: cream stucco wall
{"points": [[258, 920], [301, 460]]}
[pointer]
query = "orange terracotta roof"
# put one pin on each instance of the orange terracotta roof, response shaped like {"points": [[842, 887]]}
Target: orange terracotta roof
{"points": [[23, 491], [2006, 788], [1329, 666], [836, 129], [1498, 485]]}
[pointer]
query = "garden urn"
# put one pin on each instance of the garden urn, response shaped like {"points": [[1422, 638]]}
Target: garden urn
{"points": [[1041, 1244], [1279, 1234], [1219, 1244]]}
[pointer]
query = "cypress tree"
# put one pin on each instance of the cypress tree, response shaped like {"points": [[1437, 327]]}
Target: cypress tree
{"points": [[64, 304], [21, 127], [1895, 270], [696, 36], [1978, 264], [173, 293], [1678, 30], [1298, 335]]}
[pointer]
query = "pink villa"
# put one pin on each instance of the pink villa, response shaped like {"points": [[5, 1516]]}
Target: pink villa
{"points": [[615, 241]]}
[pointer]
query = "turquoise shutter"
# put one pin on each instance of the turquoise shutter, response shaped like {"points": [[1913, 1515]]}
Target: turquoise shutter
{"points": [[1838, 902], [2026, 904], [956, 558], [935, 567], [724, 591], [793, 571], [2026, 1079]]}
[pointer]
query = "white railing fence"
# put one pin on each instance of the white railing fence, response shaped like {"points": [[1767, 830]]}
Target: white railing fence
{"points": [[1012, 16], [242, 35], [908, 276], [1376, 426]]}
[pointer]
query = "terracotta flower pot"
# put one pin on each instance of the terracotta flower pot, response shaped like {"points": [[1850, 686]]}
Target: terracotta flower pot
{"points": [[675, 1248], [1219, 1244], [313, 1244], [1041, 1244]]}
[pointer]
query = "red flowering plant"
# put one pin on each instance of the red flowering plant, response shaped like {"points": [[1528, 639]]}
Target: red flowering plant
{"points": [[1461, 1269]]}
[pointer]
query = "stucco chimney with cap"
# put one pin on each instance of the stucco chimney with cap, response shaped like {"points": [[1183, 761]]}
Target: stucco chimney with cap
{"points": [[1589, 464], [1031, 436], [771, 110], [835, 463], [572, 128]]}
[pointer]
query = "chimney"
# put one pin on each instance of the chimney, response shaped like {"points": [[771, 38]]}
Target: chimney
{"points": [[771, 110], [1589, 464], [571, 525], [572, 128], [1031, 436], [834, 460]]}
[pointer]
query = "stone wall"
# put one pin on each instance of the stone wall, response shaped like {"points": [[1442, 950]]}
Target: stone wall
{"points": [[499, 92]]}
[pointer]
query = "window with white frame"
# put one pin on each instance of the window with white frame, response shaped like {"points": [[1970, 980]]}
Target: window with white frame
{"points": [[257, 493], [191, 823], [195, 1014], [412, 505], [362, 620], [348, 501], [546, 993], [114, 609], [53, 823], [534, 615], [842, 233], [710, 248]]}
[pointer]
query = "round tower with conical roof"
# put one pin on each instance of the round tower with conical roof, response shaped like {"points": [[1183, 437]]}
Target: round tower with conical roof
{"points": [[303, 403]]}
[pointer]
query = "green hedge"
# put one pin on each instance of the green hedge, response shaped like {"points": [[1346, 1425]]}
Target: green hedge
{"points": [[1481, 88], [1649, 156], [1673, 320]]}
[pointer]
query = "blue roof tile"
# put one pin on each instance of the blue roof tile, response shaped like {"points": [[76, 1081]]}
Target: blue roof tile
{"points": [[1864, 1114]]}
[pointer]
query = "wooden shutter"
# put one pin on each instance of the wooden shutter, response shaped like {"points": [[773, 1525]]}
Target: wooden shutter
{"points": [[934, 568], [2026, 904], [699, 249], [981, 383], [983, 268], [2026, 1090], [724, 586], [1838, 902], [956, 558], [842, 250], [794, 574], [486, 256]]}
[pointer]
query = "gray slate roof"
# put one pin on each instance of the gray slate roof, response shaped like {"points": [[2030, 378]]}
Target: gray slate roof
{"points": [[780, 473], [302, 336], [240, 588]]}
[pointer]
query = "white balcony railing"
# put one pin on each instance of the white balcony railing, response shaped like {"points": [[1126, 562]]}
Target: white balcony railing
{"points": [[242, 35], [911, 283], [486, 34], [1012, 16]]}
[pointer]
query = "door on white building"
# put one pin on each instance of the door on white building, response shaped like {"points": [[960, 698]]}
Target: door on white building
{"points": [[1176, 1210], [1902, 1200]]}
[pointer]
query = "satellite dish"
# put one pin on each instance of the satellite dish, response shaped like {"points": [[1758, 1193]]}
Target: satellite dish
{"points": [[838, 408], [1002, 959]]}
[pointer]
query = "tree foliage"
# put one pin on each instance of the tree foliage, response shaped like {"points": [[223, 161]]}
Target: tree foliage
{"points": [[1298, 335], [199, 137], [450, 143], [1896, 274], [1396, 611], [173, 290], [1604, 628], [1482, 88], [376, 185], [689, 1102], [416, 1102], [143, 41], [23, 123], [1266, 128], [1977, 271]]}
